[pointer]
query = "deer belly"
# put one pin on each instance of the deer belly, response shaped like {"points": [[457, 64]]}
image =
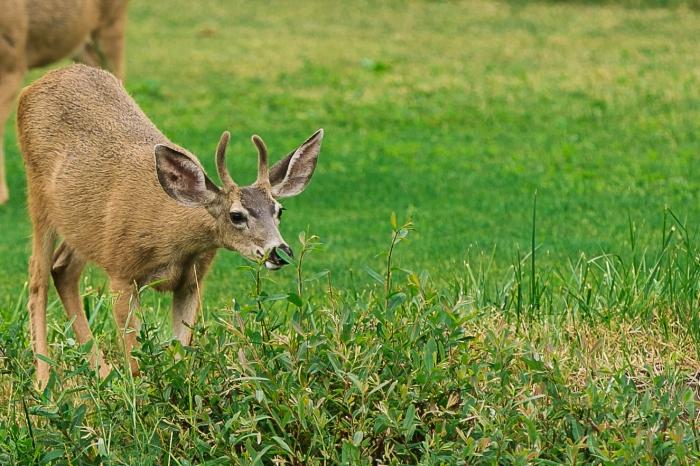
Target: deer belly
{"points": [[163, 278]]}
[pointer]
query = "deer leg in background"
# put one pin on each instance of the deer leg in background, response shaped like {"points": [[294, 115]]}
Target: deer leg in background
{"points": [[66, 270], [106, 46], [10, 82]]}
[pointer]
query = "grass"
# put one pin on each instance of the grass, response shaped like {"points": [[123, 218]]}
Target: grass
{"points": [[601, 368], [493, 335]]}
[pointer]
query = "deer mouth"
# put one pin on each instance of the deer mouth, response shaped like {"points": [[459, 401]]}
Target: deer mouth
{"points": [[270, 265], [272, 262]]}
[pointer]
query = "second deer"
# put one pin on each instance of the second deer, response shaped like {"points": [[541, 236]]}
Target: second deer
{"points": [[35, 33]]}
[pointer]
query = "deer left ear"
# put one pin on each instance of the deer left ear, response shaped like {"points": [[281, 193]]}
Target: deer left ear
{"points": [[292, 174], [182, 178]]}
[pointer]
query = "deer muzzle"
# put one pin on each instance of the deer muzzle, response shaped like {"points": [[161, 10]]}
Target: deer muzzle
{"points": [[274, 260]]}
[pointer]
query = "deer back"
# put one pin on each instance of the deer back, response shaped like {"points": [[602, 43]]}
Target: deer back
{"points": [[89, 155]]}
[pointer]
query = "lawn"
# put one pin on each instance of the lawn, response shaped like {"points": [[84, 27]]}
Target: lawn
{"points": [[569, 335]]}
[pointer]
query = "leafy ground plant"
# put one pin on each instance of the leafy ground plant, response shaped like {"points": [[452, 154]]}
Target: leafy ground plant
{"points": [[410, 371]]}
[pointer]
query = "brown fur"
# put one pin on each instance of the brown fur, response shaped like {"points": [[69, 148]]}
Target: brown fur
{"points": [[38, 32], [101, 177]]}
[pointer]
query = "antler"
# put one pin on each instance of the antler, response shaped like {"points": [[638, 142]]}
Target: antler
{"points": [[263, 172], [221, 168]]}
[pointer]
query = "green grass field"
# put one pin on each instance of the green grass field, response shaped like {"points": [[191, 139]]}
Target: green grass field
{"points": [[568, 338]]}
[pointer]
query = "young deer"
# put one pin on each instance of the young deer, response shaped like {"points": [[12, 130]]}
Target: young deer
{"points": [[35, 33], [118, 193]]}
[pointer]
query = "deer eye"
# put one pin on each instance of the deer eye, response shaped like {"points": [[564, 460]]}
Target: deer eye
{"points": [[279, 212], [238, 218]]}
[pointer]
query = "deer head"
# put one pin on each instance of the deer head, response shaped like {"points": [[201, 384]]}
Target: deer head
{"points": [[247, 218]]}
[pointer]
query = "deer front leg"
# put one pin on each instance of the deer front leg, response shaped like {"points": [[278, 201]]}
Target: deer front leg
{"points": [[125, 307], [187, 297], [185, 308]]}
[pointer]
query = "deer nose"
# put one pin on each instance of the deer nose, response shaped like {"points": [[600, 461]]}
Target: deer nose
{"points": [[274, 257]]}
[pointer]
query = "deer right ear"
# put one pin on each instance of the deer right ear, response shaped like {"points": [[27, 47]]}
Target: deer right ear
{"points": [[182, 178], [292, 174]]}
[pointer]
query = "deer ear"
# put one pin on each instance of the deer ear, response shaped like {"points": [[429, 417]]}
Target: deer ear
{"points": [[182, 178], [292, 174]]}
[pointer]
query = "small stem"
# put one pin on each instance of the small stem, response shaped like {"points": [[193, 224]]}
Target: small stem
{"points": [[258, 288], [29, 421], [534, 300], [330, 286], [387, 281], [300, 283], [258, 291]]}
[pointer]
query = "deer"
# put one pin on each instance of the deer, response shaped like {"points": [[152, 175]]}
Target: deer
{"points": [[35, 33], [107, 184]]}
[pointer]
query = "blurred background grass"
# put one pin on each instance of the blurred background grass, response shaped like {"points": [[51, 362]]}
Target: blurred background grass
{"points": [[454, 111]]}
